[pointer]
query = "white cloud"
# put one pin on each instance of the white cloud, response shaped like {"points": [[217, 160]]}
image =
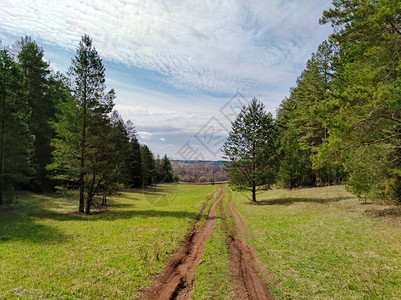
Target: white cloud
{"points": [[211, 45], [211, 48], [144, 135]]}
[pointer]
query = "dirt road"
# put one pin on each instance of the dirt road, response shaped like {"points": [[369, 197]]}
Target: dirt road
{"points": [[176, 280], [248, 285]]}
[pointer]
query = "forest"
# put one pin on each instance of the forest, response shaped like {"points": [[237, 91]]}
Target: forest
{"points": [[61, 130], [341, 122]]}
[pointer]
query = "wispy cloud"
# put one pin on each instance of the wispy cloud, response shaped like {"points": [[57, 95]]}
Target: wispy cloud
{"points": [[175, 63], [217, 46]]}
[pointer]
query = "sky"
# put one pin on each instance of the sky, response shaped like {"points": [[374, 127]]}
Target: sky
{"points": [[181, 69]]}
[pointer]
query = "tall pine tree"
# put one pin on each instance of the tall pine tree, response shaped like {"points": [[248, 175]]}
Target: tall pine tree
{"points": [[83, 120], [42, 106], [15, 139]]}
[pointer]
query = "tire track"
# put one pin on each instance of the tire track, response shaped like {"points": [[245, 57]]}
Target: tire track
{"points": [[248, 285], [176, 280]]}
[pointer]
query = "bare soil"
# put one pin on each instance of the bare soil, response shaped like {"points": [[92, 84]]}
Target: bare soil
{"points": [[176, 280]]}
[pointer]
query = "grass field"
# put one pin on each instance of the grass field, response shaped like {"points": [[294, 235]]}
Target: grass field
{"points": [[321, 244], [47, 250]]}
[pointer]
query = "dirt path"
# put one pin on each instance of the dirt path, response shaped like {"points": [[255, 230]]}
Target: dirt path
{"points": [[248, 285], [176, 280]]}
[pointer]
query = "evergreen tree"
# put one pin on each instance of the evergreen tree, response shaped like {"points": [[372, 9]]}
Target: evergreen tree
{"points": [[148, 165], [166, 169], [42, 106], [134, 161], [83, 122], [365, 105], [250, 148], [108, 167], [292, 160], [15, 139], [304, 114], [158, 174], [65, 165]]}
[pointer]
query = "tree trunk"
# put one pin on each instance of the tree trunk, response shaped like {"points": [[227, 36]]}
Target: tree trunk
{"points": [[81, 191], [90, 195], [3, 126], [83, 141], [88, 204], [254, 192]]}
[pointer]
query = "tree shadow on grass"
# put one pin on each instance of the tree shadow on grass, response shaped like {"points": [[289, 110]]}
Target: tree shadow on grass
{"points": [[27, 222], [289, 201], [120, 214], [22, 227], [24, 222]]}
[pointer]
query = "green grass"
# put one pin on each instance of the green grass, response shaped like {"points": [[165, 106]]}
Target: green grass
{"points": [[47, 250], [213, 278], [317, 244]]}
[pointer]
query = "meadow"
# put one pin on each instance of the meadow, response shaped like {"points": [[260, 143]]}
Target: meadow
{"points": [[320, 243], [48, 250], [324, 243]]}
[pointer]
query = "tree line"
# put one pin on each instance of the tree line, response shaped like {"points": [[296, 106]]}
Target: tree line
{"points": [[58, 129], [341, 123], [200, 171]]}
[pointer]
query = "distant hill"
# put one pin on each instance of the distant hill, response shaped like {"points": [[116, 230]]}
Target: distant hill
{"points": [[199, 170], [211, 162]]}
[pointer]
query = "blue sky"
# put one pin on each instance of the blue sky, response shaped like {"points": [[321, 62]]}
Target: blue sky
{"points": [[175, 64]]}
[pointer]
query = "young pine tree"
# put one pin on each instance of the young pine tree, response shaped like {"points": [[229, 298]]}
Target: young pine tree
{"points": [[166, 169], [250, 148]]}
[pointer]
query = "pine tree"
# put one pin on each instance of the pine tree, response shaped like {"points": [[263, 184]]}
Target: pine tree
{"points": [[83, 123], [305, 114], [250, 148], [15, 139], [148, 165], [107, 163], [65, 165], [166, 169], [42, 106], [292, 160], [87, 71], [365, 120], [134, 160]]}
